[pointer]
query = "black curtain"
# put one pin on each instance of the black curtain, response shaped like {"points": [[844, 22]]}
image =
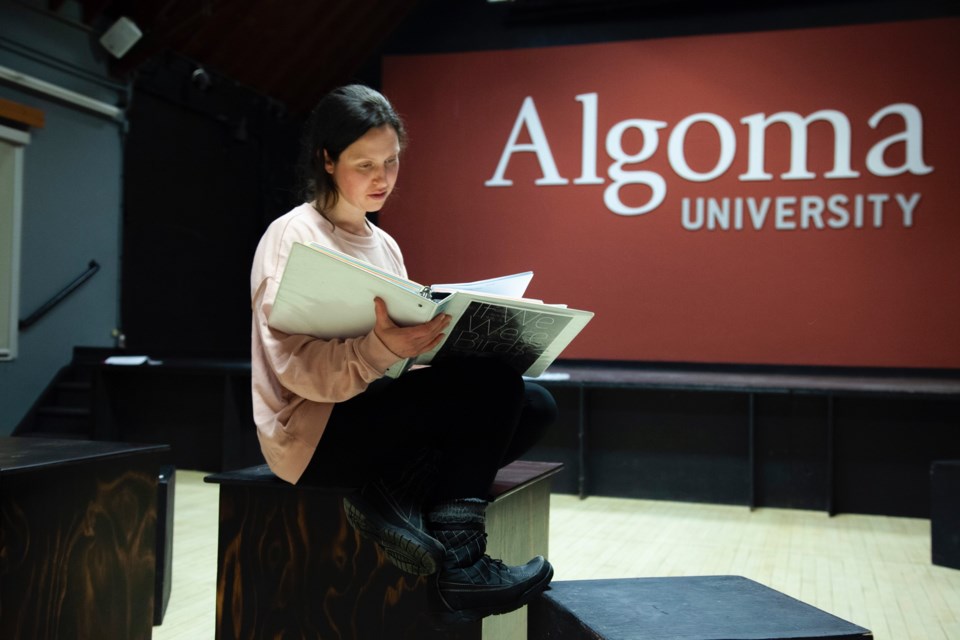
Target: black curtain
{"points": [[208, 164]]}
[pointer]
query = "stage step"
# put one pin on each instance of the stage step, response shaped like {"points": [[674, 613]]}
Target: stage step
{"points": [[679, 608], [65, 408]]}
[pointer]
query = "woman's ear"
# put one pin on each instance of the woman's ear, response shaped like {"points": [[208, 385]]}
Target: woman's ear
{"points": [[327, 162]]}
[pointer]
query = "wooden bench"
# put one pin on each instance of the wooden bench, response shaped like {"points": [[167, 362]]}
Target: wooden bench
{"points": [[290, 565], [680, 608], [742, 412]]}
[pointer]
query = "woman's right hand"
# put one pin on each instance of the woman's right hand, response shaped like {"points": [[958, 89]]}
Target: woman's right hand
{"points": [[408, 342]]}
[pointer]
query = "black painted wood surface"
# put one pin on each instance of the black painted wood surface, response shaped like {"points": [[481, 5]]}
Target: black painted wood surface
{"points": [[679, 608]]}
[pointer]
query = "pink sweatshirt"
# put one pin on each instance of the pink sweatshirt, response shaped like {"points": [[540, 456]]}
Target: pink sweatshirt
{"points": [[296, 378]]}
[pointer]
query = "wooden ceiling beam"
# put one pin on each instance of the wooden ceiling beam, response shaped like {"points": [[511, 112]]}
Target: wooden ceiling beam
{"points": [[230, 27], [302, 57], [378, 27], [329, 62]]}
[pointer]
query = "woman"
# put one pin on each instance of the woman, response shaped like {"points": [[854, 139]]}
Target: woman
{"points": [[425, 448]]}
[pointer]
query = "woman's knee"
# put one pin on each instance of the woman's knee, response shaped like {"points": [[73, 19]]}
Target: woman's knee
{"points": [[538, 414], [539, 405]]}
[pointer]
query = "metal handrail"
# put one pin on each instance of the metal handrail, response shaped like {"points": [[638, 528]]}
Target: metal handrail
{"points": [[46, 307]]}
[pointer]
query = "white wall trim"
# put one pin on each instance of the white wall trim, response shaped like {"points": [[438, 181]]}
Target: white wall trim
{"points": [[55, 91]]}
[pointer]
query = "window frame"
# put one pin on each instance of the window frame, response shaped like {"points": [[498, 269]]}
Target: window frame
{"points": [[12, 146]]}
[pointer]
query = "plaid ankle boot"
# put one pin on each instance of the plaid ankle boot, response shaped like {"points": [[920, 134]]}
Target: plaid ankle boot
{"points": [[470, 584]]}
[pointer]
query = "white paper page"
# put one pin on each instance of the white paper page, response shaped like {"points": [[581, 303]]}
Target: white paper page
{"points": [[514, 285], [130, 361]]}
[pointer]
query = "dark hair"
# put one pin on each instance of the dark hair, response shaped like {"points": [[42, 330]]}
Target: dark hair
{"points": [[339, 119]]}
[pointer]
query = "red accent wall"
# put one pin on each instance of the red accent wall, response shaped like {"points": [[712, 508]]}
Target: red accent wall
{"points": [[823, 262]]}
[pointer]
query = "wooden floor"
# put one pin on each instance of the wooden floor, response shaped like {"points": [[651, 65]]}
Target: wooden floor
{"points": [[873, 571]]}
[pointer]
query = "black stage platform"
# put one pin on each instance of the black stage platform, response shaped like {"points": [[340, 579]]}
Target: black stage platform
{"points": [[679, 608]]}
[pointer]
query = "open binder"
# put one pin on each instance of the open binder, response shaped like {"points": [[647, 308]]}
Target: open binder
{"points": [[328, 294]]}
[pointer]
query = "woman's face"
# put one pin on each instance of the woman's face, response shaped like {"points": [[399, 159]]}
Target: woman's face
{"points": [[366, 170]]}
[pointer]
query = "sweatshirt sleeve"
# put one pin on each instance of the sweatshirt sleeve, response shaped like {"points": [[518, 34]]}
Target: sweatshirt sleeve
{"points": [[318, 370]]}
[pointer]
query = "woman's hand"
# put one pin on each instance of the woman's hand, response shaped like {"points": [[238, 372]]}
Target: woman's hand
{"points": [[408, 342]]}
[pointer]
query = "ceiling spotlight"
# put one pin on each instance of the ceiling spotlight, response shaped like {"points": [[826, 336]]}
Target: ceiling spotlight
{"points": [[201, 79]]}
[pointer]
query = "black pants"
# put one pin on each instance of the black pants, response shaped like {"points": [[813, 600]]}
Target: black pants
{"points": [[476, 415]]}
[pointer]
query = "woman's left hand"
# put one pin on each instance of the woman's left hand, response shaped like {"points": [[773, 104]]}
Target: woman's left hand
{"points": [[408, 342]]}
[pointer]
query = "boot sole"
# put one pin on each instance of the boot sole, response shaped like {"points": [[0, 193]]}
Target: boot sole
{"points": [[407, 552], [444, 618]]}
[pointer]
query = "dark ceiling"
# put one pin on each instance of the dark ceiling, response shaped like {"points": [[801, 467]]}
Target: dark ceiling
{"points": [[294, 51], [290, 50]]}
